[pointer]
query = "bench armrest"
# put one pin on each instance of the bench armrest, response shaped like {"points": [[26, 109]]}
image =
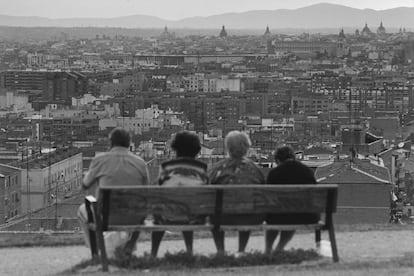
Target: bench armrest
{"points": [[90, 206], [90, 199]]}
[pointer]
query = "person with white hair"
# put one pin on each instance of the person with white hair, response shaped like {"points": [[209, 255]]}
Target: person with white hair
{"points": [[237, 169]]}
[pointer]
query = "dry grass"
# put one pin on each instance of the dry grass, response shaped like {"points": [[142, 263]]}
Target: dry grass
{"points": [[45, 239], [183, 261], [318, 267]]}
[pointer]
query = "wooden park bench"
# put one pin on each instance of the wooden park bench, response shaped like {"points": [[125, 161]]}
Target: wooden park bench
{"points": [[124, 208]]}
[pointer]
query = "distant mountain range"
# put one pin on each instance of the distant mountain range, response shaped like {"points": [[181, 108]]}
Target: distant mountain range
{"points": [[312, 17]]}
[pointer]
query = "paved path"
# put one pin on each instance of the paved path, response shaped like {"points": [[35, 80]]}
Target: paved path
{"points": [[353, 247]]}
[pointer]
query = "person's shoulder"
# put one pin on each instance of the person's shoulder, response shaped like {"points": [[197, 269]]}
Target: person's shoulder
{"points": [[303, 165], [221, 163], [292, 163], [184, 162], [248, 161], [305, 172], [274, 170], [136, 157], [284, 168], [101, 156]]}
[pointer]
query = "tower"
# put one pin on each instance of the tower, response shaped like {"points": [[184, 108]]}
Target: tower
{"points": [[342, 34], [366, 31], [223, 32], [267, 32], [381, 29]]}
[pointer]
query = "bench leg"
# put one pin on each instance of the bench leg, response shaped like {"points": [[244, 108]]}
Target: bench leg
{"points": [[317, 236], [332, 238], [243, 240], [285, 237], [92, 243], [188, 240], [102, 250], [218, 237], [156, 238], [131, 243], [85, 218], [270, 237]]}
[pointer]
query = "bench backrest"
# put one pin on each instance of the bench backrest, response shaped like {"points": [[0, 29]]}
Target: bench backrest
{"points": [[129, 205]]}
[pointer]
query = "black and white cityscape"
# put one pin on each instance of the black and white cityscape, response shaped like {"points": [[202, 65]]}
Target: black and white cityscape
{"points": [[333, 82]]}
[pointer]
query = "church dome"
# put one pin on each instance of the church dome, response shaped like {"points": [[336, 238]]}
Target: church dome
{"points": [[366, 30], [381, 29], [223, 32]]}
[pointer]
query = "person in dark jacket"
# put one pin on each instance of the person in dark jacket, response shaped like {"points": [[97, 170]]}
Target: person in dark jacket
{"points": [[184, 170], [288, 171]]}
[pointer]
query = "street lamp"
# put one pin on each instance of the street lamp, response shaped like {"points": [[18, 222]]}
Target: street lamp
{"points": [[62, 176], [223, 131]]}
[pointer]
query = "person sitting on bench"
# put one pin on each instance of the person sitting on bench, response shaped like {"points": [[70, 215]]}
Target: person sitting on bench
{"points": [[184, 170], [288, 171], [236, 169], [119, 166]]}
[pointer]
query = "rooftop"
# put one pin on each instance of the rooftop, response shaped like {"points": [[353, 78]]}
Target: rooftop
{"points": [[45, 160], [357, 171]]}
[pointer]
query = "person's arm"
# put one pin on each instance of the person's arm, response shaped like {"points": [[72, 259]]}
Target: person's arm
{"points": [[212, 174], [160, 177], [260, 175], [271, 178], [311, 176], [91, 177], [147, 177]]}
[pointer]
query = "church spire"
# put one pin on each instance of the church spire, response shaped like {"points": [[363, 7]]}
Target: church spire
{"points": [[342, 34], [381, 29], [267, 32], [223, 32]]}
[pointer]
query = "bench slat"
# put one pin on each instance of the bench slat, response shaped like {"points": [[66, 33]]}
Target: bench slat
{"points": [[272, 227], [290, 187], [260, 200], [130, 207], [173, 228], [179, 228]]}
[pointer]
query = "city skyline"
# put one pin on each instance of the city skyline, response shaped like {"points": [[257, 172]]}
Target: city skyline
{"points": [[171, 11]]}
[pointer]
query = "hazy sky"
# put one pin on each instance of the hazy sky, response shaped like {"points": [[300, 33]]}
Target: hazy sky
{"points": [[169, 9]]}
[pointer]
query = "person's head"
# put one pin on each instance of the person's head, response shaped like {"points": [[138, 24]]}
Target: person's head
{"points": [[237, 144], [119, 138], [284, 154], [186, 144]]}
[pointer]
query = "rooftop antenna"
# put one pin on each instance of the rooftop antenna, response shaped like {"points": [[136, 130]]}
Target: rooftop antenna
{"points": [[50, 170], [28, 187]]}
